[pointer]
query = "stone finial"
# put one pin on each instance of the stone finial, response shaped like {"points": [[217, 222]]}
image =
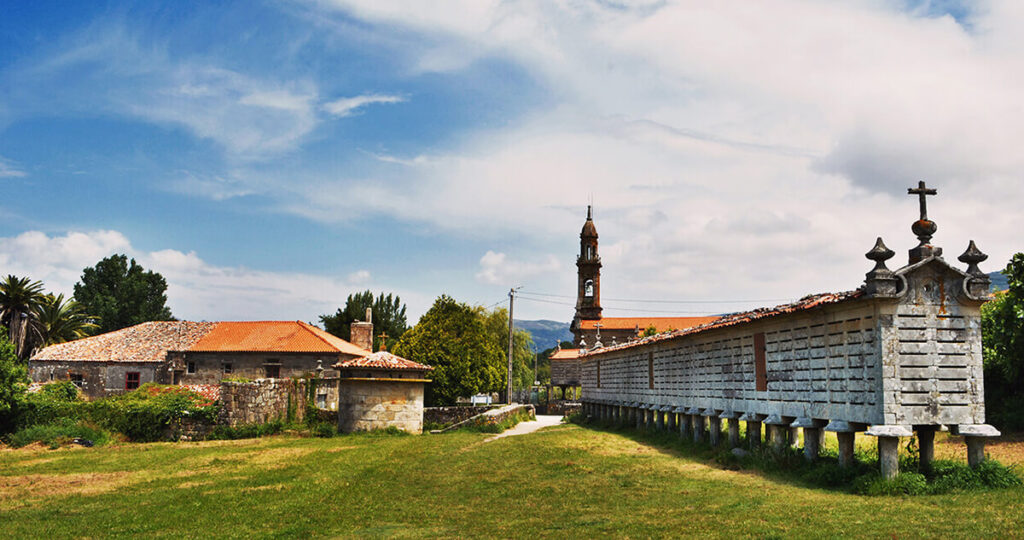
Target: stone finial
{"points": [[319, 369], [923, 228], [978, 282], [614, 343], [583, 343], [880, 281]]}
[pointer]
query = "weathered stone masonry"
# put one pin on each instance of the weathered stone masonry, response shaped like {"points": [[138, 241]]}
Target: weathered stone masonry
{"points": [[900, 354]]}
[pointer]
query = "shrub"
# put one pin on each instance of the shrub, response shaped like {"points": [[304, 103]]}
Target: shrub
{"points": [[324, 430], [60, 391], [907, 483], [144, 414], [247, 431], [59, 433]]}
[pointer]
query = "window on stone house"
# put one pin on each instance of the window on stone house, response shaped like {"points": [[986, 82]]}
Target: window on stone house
{"points": [[227, 368], [272, 371], [76, 379], [131, 380], [190, 367]]}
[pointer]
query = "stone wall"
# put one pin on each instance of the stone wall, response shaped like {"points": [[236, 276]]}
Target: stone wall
{"points": [[452, 415], [262, 401], [99, 379], [368, 404], [212, 367]]}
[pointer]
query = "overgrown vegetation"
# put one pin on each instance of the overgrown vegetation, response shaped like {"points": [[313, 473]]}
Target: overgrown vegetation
{"points": [[1002, 323], [495, 425]]}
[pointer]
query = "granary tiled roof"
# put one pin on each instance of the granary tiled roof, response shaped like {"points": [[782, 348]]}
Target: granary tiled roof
{"points": [[146, 342], [382, 360], [661, 324], [733, 319], [565, 354], [272, 336]]}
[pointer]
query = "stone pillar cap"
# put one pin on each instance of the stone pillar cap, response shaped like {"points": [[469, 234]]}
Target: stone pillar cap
{"points": [[709, 412], [775, 420], [752, 417], [679, 409], [842, 426], [693, 410], [806, 422], [729, 415], [975, 430], [890, 431], [666, 408]]}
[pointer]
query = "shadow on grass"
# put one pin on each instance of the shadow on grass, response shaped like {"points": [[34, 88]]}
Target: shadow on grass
{"points": [[788, 465]]}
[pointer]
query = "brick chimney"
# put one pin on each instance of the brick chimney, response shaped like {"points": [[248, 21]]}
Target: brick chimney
{"points": [[362, 332]]}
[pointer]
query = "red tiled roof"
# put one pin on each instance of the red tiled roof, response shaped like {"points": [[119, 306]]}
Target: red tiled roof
{"points": [[208, 391], [661, 324], [565, 354], [146, 342], [272, 336], [382, 360], [805, 303]]}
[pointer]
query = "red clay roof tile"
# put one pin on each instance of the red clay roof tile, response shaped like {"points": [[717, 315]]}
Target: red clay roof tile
{"points": [[382, 360]]}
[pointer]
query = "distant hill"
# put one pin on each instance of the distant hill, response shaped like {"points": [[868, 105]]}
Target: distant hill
{"points": [[545, 333], [999, 282]]}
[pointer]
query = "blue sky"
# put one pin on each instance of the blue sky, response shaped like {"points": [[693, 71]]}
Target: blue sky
{"points": [[271, 157]]}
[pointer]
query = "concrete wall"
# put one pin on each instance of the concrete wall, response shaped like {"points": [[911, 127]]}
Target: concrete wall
{"points": [[367, 404], [99, 379]]}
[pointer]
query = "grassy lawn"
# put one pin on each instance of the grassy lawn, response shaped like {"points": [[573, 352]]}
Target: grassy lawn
{"points": [[563, 481]]}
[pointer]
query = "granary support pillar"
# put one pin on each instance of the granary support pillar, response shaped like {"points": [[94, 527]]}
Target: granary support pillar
{"points": [[926, 445], [753, 421], [698, 424], [975, 436], [640, 416], [684, 421], [670, 419], [623, 413], [649, 416], [778, 431], [845, 433], [812, 436], [889, 447], [733, 420], [714, 426], [659, 418]]}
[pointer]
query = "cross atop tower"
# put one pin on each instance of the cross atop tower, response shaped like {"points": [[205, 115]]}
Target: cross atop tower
{"points": [[922, 191], [383, 341]]}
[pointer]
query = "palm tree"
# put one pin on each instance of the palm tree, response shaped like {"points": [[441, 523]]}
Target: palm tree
{"points": [[19, 298], [62, 320]]}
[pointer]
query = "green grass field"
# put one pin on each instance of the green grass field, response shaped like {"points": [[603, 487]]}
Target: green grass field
{"points": [[566, 481]]}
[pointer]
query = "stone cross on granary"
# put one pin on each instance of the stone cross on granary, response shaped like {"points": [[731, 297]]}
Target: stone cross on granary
{"points": [[383, 341], [597, 337], [924, 228]]}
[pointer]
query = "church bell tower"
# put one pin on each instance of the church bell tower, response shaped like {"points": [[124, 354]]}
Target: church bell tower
{"points": [[588, 264]]}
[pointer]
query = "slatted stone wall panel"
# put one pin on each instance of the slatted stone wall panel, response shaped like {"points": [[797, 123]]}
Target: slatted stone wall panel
{"points": [[823, 369]]}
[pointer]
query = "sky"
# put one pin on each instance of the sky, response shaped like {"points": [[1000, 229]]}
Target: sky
{"points": [[270, 158]]}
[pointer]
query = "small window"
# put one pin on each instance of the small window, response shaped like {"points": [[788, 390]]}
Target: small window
{"points": [[590, 252], [131, 380], [190, 368], [321, 401], [272, 371], [76, 379], [227, 368]]}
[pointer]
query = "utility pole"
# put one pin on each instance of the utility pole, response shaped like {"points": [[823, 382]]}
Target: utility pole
{"points": [[511, 301]]}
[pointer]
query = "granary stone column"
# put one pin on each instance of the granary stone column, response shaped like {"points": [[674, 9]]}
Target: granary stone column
{"points": [[777, 431], [812, 436], [753, 421], [623, 414], [926, 445], [845, 432], [659, 418], [650, 415], [889, 447], [697, 422], [670, 418], [640, 416], [732, 419], [684, 421], [975, 436], [714, 426]]}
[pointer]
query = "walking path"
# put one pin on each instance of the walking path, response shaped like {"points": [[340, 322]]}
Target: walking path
{"points": [[522, 428]]}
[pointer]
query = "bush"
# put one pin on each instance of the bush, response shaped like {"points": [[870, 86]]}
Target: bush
{"points": [[906, 483], [324, 430], [247, 431], [56, 434], [144, 415]]}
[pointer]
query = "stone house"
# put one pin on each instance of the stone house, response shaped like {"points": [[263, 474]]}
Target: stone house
{"points": [[184, 352], [381, 390]]}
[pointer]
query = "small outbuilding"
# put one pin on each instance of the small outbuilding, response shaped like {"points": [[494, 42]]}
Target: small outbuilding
{"points": [[379, 391]]}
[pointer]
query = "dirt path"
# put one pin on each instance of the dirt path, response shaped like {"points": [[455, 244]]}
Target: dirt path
{"points": [[522, 428]]}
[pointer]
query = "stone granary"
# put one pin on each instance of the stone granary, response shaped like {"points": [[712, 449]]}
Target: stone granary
{"points": [[183, 352], [899, 355]]}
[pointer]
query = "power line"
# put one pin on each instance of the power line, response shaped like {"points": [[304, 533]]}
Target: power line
{"points": [[637, 300], [624, 309]]}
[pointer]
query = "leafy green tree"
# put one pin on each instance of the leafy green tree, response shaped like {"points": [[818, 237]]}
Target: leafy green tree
{"points": [[453, 338], [1002, 323], [122, 294], [388, 317], [62, 320], [496, 322], [13, 383], [19, 298]]}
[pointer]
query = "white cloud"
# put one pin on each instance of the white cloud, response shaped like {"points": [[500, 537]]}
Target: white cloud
{"points": [[499, 269], [349, 106], [196, 290], [9, 169]]}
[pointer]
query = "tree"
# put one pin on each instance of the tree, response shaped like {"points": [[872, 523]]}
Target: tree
{"points": [[453, 339], [1002, 324], [62, 320], [388, 316], [13, 382], [122, 294], [522, 346], [19, 298]]}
